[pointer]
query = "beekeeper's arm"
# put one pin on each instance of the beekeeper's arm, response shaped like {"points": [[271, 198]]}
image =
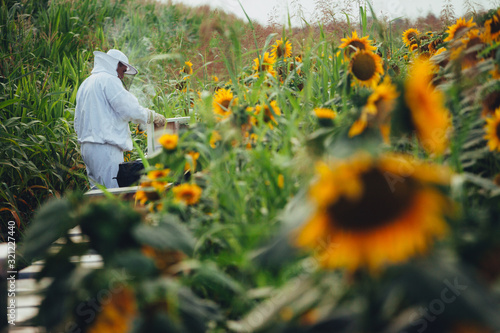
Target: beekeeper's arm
{"points": [[128, 108]]}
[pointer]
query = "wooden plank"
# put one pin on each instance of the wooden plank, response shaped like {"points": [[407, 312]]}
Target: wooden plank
{"points": [[114, 191], [29, 292]]}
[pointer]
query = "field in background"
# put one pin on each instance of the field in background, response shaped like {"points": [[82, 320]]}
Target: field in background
{"points": [[47, 52]]}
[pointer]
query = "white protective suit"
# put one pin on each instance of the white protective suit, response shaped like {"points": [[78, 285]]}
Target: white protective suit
{"points": [[103, 111]]}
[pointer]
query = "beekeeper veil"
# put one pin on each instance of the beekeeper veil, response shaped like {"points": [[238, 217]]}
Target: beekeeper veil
{"points": [[108, 62]]}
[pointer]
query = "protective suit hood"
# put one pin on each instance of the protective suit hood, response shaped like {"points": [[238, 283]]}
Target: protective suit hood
{"points": [[108, 62]]}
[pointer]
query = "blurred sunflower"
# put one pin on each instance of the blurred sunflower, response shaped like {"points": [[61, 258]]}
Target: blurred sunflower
{"points": [[116, 314], [223, 100], [268, 114], [495, 73], [490, 101], [157, 178], [214, 138], [353, 44], [282, 49], [433, 46], [429, 116], [325, 113], [372, 212], [294, 65], [325, 116], [492, 28], [164, 259], [188, 68], [266, 65], [366, 67], [458, 29], [147, 192], [409, 36], [377, 110], [492, 129], [192, 158], [188, 193], [250, 139], [169, 141], [158, 174], [468, 50]]}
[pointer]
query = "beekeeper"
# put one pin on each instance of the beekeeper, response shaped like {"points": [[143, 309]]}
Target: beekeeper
{"points": [[104, 109]]}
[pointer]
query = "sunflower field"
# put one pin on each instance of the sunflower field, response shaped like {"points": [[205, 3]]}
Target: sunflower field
{"points": [[330, 179]]}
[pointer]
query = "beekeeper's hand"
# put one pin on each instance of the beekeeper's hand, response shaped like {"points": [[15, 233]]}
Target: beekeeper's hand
{"points": [[159, 120]]}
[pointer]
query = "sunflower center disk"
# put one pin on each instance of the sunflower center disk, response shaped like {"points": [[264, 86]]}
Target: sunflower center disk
{"points": [[363, 67], [280, 50], [495, 26], [225, 104], [385, 197], [357, 44]]}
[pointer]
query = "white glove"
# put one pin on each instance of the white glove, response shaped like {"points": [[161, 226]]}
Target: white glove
{"points": [[159, 120]]}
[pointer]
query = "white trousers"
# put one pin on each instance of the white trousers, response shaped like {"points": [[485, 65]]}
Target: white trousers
{"points": [[101, 161]]}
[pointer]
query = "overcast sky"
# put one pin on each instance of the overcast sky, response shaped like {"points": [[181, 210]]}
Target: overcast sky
{"points": [[260, 10]]}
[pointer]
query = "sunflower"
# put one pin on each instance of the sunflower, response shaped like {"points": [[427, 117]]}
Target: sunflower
{"points": [[214, 138], [157, 179], [433, 46], [492, 28], [250, 139], [268, 114], [458, 29], [117, 314], [366, 67], [495, 73], [158, 174], [266, 65], [492, 130], [223, 100], [491, 102], [372, 212], [353, 44], [429, 116], [409, 36], [325, 113], [325, 116], [164, 259], [377, 110], [188, 68], [188, 193], [192, 158], [282, 49], [169, 141], [471, 45], [148, 191]]}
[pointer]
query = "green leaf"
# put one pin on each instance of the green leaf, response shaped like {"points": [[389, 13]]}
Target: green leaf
{"points": [[135, 263], [169, 234], [52, 221], [210, 276]]}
